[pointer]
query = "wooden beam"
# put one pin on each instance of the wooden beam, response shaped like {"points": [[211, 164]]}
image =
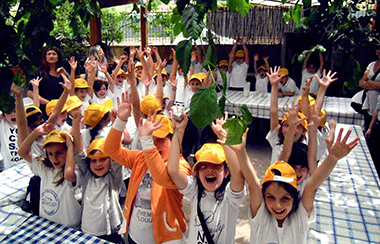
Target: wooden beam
{"points": [[95, 30], [144, 26]]}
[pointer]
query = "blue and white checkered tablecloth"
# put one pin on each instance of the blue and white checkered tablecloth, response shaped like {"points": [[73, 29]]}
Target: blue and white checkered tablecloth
{"points": [[11, 216], [38, 230], [13, 184], [348, 202], [337, 108]]}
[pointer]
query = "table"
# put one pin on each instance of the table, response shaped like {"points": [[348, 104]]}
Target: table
{"points": [[337, 108], [348, 202]]}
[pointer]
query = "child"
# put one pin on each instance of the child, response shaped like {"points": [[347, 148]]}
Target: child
{"points": [[287, 86], [277, 131], [215, 198], [309, 70], [261, 74], [153, 205], [102, 215], [223, 66], [278, 214], [59, 178], [238, 66], [80, 90]]}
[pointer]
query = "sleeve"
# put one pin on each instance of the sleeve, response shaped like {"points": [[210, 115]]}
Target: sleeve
{"points": [[378, 103], [191, 189], [272, 137], [80, 160], [36, 166], [118, 153], [158, 168], [236, 198]]}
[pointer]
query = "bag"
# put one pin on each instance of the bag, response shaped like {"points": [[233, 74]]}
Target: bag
{"points": [[357, 101]]}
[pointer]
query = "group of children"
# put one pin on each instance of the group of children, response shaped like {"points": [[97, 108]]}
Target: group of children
{"points": [[128, 120]]}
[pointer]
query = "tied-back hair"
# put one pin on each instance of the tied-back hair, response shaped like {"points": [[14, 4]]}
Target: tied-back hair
{"points": [[48, 164], [287, 187], [94, 131], [44, 69], [219, 193]]}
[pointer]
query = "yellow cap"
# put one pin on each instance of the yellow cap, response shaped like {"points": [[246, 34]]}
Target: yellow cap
{"points": [[223, 63], [240, 54], [199, 77], [95, 112], [312, 102], [149, 102], [55, 137], [210, 152], [97, 144], [283, 71], [73, 102], [50, 107], [81, 83], [300, 115], [264, 67], [138, 64], [163, 72], [33, 111], [121, 72], [164, 130], [287, 174]]}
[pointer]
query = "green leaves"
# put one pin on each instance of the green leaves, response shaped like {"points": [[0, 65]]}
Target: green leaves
{"points": [[237, 126], [210, 61], [192, 22], [203, 107], [296, 13], [183, 51], [240, 6]]}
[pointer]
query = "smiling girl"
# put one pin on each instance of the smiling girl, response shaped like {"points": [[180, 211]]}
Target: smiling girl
{"points": [[59, 178]]}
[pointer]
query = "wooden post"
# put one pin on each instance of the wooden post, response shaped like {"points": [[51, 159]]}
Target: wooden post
{"points": [[95, 30], [144, 26]]}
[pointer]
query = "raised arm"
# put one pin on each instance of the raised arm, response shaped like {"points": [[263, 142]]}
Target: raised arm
{"points": [[22, 123], [73, 67], [255, 59], [119, 63], [305, 98], [266, 61], [91, 67], [36, 83], [246, 53], [321, 61], [69, 173], [110, 80], [135, 100], [274, 80], [304, 65], [174, 65], [76, 114], [160, 85], [336, 151], [232, 54], [61, 101], [178, 177], [324, 83]]}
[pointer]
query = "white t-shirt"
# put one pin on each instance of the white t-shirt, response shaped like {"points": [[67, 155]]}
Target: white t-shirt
{"points": [[273, 139], [314, 85], [57, 203], [86, 137], [238, 74], [198, 68], [179, 96], [294, 230], [290, 86], [8, 141], [261, 83], [118, 90], [371, 98], [220, 216], [141, 89], [109, 95], [188, 94], [141, 225]]}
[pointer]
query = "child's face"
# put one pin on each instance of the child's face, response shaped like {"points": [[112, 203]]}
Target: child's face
{"points": [[57, 154], [119, 80], [299, 131], [284, 80], [224, 68], [301, 173], [138, 71], [180, 71], [102, 92], [100, 166], [164, 79], [263, 73], [11, 118], [194, 85], [311, 68], [62, 118], [239, 60], [278, 201], [162, 145], [211, 175], [81, 93], [34, 125]]}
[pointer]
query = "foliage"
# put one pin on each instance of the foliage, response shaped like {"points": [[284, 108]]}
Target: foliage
{"points": [[345, 29], [189, 18], [25, 26]]}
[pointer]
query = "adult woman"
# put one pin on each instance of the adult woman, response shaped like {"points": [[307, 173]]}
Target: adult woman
{"points": [[371, 82], [98, 53], [50, 71]]}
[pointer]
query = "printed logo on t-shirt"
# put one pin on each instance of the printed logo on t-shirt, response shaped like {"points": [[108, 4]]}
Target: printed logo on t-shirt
{"points": [[215, 233], [50, 202], [142, 200], [12, 145]]}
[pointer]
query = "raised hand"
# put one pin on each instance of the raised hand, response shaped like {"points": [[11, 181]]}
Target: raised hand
{"points": [[341, 148], [18, 91], [218, 129], [103, 68], [326, 79], [61, 71], [44, 129], [36, 81], [273, 76], [179, 125], [306, 86], [173, 81], [73, 63], [68, 138], [151, 124], [266, 58], [124, 106], [256, 57], [292, 115], [116, 60], [315, 118], [67, 85]]}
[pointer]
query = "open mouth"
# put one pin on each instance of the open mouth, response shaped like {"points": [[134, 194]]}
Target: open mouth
{"points": [[210, 179], [13, 120], [279, 212]]}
